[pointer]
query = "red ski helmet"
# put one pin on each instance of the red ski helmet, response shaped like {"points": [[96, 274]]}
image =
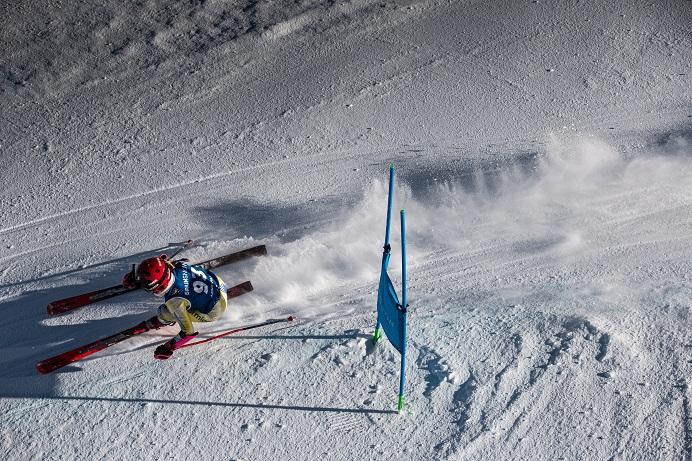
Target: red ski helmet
{"points": [[154, 274]]}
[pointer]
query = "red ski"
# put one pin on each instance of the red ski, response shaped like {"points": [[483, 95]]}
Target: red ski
{"points": [[65, 305], [59, 361]]}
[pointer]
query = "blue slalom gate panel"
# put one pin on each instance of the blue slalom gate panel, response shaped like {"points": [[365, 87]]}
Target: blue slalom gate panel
{"points": [[391, 316], [389, 313]]}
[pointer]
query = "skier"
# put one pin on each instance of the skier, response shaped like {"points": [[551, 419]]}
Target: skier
{"points": [[191, 294]]}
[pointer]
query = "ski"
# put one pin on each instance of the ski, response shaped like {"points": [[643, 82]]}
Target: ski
{"points": [[240, 289], [237, 330], [66, 358], [64, 305], [74, 302], [259, 250]]}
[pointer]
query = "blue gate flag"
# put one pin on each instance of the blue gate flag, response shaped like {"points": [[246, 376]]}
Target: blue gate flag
{"points": [[389, 312]]}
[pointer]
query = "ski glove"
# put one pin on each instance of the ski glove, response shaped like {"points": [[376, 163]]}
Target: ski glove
{"points": [[165, 350]]}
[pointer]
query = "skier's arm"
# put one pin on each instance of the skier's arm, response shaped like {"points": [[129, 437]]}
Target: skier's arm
{"points": [[178, 307]]}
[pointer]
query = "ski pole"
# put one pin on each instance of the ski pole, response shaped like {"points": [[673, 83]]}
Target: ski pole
{"points": [[290, 318], [187, 244]]}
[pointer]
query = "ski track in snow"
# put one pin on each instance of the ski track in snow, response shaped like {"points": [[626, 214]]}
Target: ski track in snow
{"points": [[159, 191]]}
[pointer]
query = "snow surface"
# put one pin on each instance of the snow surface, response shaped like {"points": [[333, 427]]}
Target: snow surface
{"points": [[544, 156]]}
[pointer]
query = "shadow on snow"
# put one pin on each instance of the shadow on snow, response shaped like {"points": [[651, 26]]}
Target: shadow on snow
{"points": [[260, 406]]}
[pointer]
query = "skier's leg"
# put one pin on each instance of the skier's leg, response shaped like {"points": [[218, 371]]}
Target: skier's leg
{"points": [[219, 308]]}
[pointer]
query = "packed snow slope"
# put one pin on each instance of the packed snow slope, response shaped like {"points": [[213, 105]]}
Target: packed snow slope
{"points": [[544, 157]]}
